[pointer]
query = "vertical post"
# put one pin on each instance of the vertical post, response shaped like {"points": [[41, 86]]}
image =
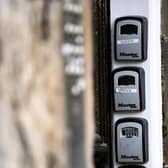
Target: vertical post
{"points": [[89, 98], [152, 67], [77, 52], [102, 78]]}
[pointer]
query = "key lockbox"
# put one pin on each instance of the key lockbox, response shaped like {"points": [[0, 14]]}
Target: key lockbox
{"points": [[131, 38], [128, 89], [131, 140]]}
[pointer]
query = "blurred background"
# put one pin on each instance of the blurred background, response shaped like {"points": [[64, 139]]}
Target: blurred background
{"points": [[55, 84]]}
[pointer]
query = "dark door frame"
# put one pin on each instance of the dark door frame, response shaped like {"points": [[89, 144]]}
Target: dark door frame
{"points": [[102, 74]]}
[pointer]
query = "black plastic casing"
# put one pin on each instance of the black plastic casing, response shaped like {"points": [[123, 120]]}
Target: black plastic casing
{"points": [[144, 124], [144, 36]]}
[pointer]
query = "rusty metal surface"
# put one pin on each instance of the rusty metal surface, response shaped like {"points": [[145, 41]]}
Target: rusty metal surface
{"points": [[164, 37]]}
